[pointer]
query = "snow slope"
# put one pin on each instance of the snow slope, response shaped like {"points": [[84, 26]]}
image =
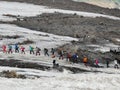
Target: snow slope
{"points": [[59, 81], [40, 39], [24, 9]]}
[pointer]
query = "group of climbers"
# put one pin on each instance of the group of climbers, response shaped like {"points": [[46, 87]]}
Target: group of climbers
{"points": [[9, 49], [61, 54], [17, 48]]}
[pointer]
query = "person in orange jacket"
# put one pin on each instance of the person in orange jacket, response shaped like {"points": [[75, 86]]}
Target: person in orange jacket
{"points": [[85, 60]]}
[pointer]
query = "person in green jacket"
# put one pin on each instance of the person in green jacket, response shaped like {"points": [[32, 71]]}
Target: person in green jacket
{"points": [[31, 50]]}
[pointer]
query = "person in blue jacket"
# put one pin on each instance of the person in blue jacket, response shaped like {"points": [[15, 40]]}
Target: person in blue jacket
{"points": [[75, 57], [16, 48]]}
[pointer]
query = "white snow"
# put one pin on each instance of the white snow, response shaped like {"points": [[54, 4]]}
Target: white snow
{"points": [[103, 48], [112, 45], [41, 39], [24, 9], [118, 40], [59, 81]]}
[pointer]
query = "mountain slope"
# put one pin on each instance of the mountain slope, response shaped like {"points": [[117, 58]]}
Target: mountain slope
{"points": [[103, 3], [71, 5]]}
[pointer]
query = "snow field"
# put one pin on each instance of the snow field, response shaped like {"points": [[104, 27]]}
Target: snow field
{"points": [[27, 10], [59, 81]]}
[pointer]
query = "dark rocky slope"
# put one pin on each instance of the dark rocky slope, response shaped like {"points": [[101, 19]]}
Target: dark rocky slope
{"points": [[93, 30]]}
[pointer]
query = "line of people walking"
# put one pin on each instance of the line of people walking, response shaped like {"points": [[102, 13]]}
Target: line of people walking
{"points": [[17, 49], [37, 51], [70, 57]]}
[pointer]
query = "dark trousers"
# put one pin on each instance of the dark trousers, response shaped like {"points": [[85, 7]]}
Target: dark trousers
{"points": [[31, 52], [16, 50], [46, 54], [116, 66], [37, 53], [10, 51]]}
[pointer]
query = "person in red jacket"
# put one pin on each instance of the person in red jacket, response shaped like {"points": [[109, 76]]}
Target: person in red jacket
{"points": [[22, 49], [68, 56], [4, 48], [97, 62]]}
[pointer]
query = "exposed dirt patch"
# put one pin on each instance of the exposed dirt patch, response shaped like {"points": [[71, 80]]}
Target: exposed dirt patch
{"points": [[11, 37], [11, 74]]}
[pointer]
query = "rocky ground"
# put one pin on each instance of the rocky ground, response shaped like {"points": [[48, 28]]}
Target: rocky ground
{"points": [[91, 29]]}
